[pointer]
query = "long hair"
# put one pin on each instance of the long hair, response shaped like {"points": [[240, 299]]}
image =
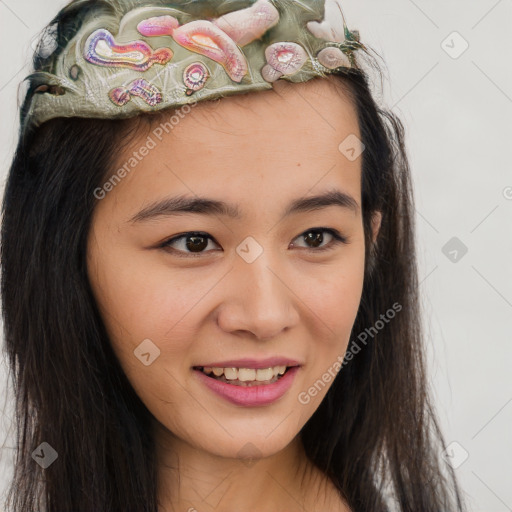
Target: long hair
{"points": [[375, 434]]}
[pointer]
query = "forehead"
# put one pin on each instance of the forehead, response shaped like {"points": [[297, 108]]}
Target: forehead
{"points": [[307, 109], [283, 141]]}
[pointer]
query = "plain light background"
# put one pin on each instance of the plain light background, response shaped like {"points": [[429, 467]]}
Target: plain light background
{"points": [[456, 104]]}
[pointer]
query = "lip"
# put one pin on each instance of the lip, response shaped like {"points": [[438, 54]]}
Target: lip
{"points": [[253, 396], [251, 363]]}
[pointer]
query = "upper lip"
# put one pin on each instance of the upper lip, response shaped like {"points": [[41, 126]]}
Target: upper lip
{"points": [[251, 363]]}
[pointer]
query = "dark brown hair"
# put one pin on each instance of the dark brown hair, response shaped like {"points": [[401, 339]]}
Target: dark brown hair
{"points": [[375, 434]]}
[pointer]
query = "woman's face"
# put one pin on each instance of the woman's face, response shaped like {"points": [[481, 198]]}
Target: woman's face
{"points": [[271, 281]]}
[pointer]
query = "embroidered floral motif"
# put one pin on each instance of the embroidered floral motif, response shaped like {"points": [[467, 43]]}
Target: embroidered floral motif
{"points": [[139, 87], [195, 76], [101, 49]]}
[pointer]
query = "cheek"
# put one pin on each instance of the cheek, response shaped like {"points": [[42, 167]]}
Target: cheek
{"points": [[139, 302], [336, 299], [138, 295], [333, 293], [332, 296]]}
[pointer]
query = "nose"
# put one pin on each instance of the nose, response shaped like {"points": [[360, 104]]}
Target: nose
{"points": [[258, 299]]}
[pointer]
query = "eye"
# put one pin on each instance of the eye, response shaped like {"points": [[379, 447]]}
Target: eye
{"points": [[194, 243], [315, 237]]}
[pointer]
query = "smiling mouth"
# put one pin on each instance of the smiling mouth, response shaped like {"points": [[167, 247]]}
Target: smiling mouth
{"points": [[245, 377]]}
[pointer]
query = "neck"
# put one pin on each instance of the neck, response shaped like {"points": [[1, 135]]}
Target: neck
{"points": [[191, 479]]}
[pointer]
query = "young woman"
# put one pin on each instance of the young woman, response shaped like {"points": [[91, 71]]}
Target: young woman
{"points": [[213, 305]]}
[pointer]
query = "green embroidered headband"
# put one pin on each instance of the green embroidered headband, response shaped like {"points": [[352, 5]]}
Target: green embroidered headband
{"points": [[133, 56]]}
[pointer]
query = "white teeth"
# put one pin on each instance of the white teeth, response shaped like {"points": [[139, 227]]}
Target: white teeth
{"points": [[230, 373], [264, 374], [246, 374]]}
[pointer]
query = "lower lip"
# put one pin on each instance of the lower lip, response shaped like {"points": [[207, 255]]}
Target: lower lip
{"points": [[251, 396]]}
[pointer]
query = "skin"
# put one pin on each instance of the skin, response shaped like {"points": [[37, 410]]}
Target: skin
{"points": [[260, 151]]}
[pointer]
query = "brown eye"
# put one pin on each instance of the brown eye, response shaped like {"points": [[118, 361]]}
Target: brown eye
{"points": [[314, 238], [192, 243], [196, 243]]}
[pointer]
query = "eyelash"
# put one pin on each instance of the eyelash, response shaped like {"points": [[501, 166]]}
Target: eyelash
{"points": [[338, 238]]}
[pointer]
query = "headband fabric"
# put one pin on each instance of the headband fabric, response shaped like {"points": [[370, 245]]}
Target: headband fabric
{"points": [[130, 57]]}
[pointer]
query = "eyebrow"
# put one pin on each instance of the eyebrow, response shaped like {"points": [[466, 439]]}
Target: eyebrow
{"points": [[172, 206]]}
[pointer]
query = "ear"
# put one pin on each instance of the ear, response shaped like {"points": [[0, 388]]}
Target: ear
{"points": [[376, 220]]}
